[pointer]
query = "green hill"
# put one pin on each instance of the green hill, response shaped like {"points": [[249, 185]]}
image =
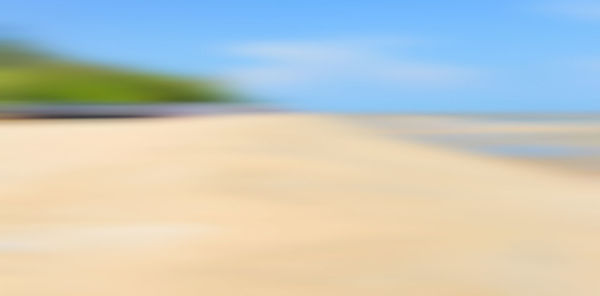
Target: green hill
{"points": [[31, 76]]}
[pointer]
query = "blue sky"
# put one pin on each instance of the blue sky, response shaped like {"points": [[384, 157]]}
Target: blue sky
{"points": [[344, 55]]}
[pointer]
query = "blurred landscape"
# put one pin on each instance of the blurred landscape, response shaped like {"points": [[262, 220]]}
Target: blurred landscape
{"points": [[35, 83], [426, 148], [32, 76], [295, 204]]}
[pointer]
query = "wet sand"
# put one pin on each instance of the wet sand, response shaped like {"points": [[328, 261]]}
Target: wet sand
{"points": [[281, 205], [555, 141]]}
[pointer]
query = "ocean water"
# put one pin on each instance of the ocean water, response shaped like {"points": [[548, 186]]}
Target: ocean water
{"points": [[563, 140]]}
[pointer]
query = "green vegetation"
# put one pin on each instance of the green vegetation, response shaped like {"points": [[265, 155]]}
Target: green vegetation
{"points": [[31, 76]]}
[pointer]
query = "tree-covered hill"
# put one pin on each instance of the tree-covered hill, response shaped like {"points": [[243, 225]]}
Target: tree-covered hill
{"points": [[31, 76]]}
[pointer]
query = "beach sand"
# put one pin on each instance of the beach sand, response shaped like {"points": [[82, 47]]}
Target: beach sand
{"points": [[281, 205]]}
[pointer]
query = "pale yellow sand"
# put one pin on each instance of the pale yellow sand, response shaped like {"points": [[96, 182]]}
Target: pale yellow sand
{"points": [[281, 205]]}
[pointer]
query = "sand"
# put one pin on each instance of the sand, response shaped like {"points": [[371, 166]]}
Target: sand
{"points": [[281, 205]]}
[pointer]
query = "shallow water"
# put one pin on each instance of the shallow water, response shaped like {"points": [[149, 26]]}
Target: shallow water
{"points": [[528, 151], [569, 140]]}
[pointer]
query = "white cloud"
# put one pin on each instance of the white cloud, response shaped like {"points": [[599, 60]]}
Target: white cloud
{"points": [[372, 62], [587, 10]]}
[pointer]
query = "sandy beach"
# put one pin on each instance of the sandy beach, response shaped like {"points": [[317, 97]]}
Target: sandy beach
{"points": [[281, 205]]}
